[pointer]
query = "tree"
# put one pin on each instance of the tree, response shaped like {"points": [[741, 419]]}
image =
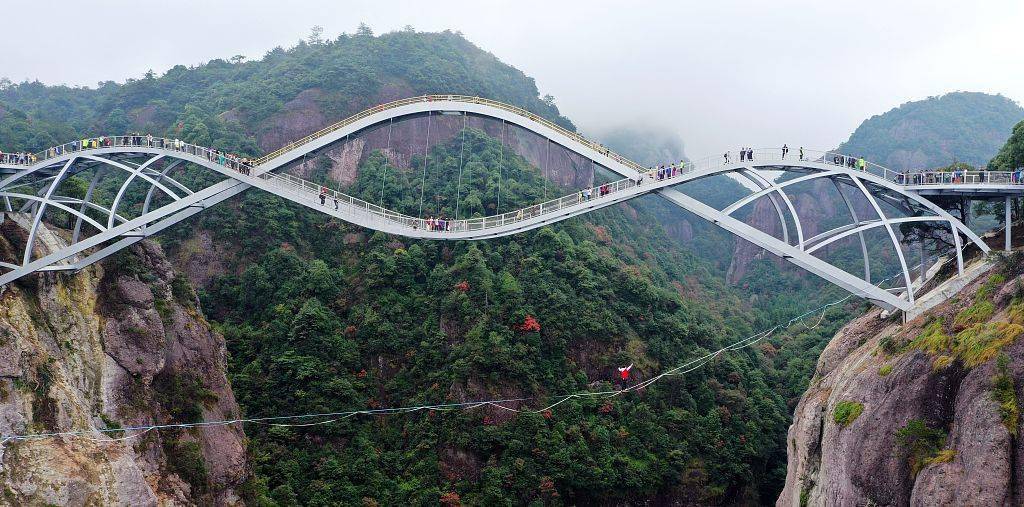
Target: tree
{"points": [[315, 35]]}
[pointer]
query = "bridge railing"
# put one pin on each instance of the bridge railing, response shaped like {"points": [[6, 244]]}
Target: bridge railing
{"points": [[312, 191], [132, 141], [962, 178], [450, 98]]}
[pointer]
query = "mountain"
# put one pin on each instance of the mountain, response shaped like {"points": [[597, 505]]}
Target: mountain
{"points": [[923, 413], [121, 344], [321, 316], [961, 126]]}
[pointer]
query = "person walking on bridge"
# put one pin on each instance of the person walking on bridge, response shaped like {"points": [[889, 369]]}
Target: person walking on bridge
{"points": [[862, 164], [801, 153], [785, 151], [726, 157], [743, 154], [750, 154]]}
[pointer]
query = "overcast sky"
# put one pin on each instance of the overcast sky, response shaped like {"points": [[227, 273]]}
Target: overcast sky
{"points": [[719, 73]]}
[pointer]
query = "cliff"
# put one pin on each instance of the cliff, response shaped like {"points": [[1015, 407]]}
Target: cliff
{"points": [[923, 413], [119, 344]]}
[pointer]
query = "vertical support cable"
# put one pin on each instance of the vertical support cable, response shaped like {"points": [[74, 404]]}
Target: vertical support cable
{"points": [[501, 166], [462, 149], [387, 148], [1009, 225], [423, 177], [547, 162]]}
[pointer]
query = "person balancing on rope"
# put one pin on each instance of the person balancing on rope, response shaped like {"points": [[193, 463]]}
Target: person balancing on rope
{"points": [[624, 371]]}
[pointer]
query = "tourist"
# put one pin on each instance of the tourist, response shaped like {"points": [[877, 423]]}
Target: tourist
{"points": [[323, 198], [801, 153], [743, 154], [785, 150], [726, 157], [750, 154], [335, 203]]}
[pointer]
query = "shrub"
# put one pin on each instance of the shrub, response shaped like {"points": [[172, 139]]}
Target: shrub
{"points": [[885, 370], [889, 345], [942, 362], [846, 412], [985, 291], [182, 291], [1005, 394], [981, 342], [975, 314], [943, 456], [186, 460], [932, 339], [920, 443]]}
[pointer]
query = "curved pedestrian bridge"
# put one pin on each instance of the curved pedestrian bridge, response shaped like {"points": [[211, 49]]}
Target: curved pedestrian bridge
{"points": [[33, 185]]}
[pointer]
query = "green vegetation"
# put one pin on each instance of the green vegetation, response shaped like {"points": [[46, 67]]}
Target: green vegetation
{"points": [[316, 322], [933, 339], [885, 370], [185, 459], [929, 133], [971, 346], [982, 342], [1011, 155], [1004, 392], [975, 314], [846, 412], [943, 456], [921, 444]]}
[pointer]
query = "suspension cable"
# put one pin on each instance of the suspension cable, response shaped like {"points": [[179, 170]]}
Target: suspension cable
{"points": [[387, 148], [501, 165], [331, 417], [547, 162], [462, 149], [426, 157]]}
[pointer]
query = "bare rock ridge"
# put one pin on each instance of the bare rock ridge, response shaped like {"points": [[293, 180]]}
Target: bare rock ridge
{"points": [[923, 413], [120, 344]]}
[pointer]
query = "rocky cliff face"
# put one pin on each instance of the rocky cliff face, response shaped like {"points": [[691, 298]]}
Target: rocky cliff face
{"points": [[117, 345], [923, 413]]}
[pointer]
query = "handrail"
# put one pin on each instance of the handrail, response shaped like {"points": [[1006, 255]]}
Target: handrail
{"points": [[451, 98]]}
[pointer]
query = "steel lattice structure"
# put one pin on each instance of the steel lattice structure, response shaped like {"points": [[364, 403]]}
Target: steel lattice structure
{"points": [[147, 170]]}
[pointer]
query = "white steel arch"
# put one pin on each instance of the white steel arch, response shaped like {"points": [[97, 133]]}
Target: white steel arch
{"points": [[122, 232]]}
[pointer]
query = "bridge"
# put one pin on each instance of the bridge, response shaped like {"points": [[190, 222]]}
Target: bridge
{"points": [[876, 198]]}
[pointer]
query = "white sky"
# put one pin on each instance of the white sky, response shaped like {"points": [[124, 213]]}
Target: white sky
{"points": [[720, 73]]}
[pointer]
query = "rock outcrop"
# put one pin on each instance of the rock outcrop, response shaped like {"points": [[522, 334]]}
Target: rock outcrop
{"points": [[117, 345], [922, 413]]}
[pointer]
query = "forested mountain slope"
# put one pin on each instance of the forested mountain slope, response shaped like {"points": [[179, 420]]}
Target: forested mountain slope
{"points": [[321, 316], [937, 131]]}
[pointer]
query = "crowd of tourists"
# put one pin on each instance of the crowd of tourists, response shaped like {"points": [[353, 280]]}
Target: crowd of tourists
{"points": [[21, 158], [241, 164]]}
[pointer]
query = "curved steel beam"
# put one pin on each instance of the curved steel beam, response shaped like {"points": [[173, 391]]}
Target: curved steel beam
{"points": [[856, 219], [128, 182], [55, 204], [771, 197], [867, 226], [41, 209], [162, 176], [770, 185], [88, 195], [892, 235]]}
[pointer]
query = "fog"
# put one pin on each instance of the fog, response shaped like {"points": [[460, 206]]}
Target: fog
{"points": [[718, 74]]}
